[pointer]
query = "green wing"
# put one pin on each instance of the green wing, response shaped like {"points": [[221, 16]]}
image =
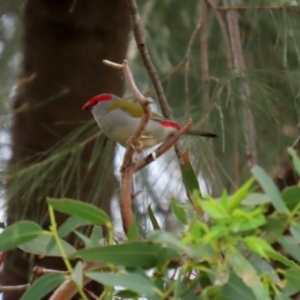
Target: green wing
{"points": [[133, 109]]}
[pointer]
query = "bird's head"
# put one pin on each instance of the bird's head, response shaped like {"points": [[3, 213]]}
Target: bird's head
{"points": [[104, 100]]}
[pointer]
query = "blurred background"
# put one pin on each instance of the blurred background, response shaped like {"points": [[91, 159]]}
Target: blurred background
{"points": [[218, 66]]}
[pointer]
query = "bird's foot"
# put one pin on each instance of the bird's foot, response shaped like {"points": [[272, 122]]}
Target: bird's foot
{"points": [[138, 147], [153, 154]]}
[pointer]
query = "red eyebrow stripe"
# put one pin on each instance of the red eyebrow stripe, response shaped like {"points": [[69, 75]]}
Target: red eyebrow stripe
{"points": [[170, 124], [103, 97]]}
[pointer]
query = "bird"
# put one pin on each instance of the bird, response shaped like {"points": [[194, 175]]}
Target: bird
{"points": [[119, 119]]}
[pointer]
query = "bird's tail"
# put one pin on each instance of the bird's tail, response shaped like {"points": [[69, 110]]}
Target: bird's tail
{"points": [[201, 133]]}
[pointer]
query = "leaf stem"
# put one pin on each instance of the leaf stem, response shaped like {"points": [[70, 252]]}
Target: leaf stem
{"points": [[53, 229]]}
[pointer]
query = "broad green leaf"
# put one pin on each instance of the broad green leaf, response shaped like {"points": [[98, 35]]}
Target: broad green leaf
{"points": [[265, 267], [96, 236], [295, 230], [81, 210], [134, 282], [67, 227], [296, 161], [292, 277], [270, 188], [165, 255], [171, 241], [251, 224], [188, 174], [244, 269], [178, 211], [281, 296], [71, 224], [215, 209], [256, 199], [19, 233], [126, 294], [291, 196], [152, 218], [85, 239], [239, 196], [77, 275], [236, 289], [279, 257], [39, 246], [135, 254], [258, 245], [291, 246], [42, 286]]}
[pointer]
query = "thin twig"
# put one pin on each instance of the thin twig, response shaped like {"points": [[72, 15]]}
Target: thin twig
{"points": [[164, 147], [204, 52], [133, 144], [187, 64], [224, 33], [239, 62], [140, 40], [289, 8], [14, 288]]}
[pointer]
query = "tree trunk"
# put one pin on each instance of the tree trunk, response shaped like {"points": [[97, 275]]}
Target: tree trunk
{"points": [[64, 43]]}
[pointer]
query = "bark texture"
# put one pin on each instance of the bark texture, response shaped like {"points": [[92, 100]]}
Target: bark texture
{"points": [[64, 43]]}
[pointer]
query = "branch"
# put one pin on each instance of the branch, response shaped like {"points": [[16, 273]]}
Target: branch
{"points": [[204, 52], [133, 144], [224, 33], [140, 40], [164, 147], [186, 61], [239, 62]]}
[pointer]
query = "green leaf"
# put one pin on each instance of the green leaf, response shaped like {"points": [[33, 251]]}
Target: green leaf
{"points": [[244, 270], [215, 209], [265, 268], [42, 286], [292, 277], [270, 188], [291, 246], [135, 254], [258, 245], [188, 174], [152, 218], [19, 233], [236, 289], [279, 257], [133, 232], [178, 211], [39, 246], [77, 275], [96, 236], [295, 231], [71, 224], [236, 199], [171, 241], [281, 296], [291, 196], [296, 161], [251, 224], [134, 282], [81, 210], [256, 199], [126, 294]]}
